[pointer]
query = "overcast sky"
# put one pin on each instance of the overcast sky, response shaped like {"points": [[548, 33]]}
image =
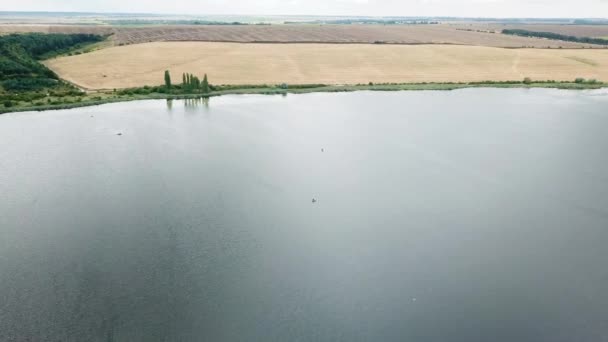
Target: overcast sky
{"points": [[468, 8]]}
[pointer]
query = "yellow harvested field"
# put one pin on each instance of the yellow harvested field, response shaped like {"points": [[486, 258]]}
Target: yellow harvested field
{"points": [[236, 63]]}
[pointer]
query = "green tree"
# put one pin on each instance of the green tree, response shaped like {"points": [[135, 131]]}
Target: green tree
{"points": [[205, 85], [167, 79]]}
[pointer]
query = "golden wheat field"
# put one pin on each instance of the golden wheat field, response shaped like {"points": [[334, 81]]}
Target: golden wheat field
{"points": [[236, 63]]}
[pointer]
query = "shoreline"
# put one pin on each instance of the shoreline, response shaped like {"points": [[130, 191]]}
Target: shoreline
{"points": [[95, 99]]}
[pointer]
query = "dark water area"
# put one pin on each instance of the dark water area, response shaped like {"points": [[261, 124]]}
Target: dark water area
{"points": [[470, 215]]}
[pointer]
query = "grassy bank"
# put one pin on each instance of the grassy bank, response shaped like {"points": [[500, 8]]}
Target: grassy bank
{"points": [[148, 93]]}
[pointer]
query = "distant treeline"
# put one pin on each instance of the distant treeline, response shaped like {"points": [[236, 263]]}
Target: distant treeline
{"points": [[590, 22], [37, 45], [365, 21], [555, 36], [127, 22], [19, 55]]}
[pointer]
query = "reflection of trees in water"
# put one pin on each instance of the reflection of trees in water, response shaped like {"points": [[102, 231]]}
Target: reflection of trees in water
{"points": [[190, 104], [197, 103], [193, 103]]}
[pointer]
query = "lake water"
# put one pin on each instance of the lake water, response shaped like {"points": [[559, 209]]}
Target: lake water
{"points": [[471, 215]]}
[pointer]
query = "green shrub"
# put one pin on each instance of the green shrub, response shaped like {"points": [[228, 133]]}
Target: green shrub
{"points": [[28, 84], [579, 80], [8, 104], [527, 80]]}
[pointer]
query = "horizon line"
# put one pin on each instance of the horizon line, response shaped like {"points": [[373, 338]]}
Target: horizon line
{"points": [[296, 15]]}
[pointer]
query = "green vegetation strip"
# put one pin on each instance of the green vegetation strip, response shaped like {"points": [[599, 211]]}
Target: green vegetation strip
{"points": [[179, 92], [555, 36]]}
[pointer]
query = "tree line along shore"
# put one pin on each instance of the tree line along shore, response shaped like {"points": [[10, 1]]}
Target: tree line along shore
{"points": [[160, 92]]}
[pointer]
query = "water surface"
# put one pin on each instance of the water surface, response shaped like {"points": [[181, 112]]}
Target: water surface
{"points": [[471, 215]]}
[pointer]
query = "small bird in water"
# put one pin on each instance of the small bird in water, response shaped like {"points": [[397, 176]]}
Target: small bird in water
{"points": [[322, 150], [314, 200], [118, 133]]}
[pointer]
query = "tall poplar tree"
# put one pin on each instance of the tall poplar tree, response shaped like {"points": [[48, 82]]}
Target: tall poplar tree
{"points": [[205, 86], [167, 79]]}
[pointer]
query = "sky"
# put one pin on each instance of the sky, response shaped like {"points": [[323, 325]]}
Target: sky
{"points": [[457, 8]]}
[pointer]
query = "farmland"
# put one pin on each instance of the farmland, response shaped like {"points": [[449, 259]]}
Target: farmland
{"points": [[327, 54], [300, 33], [233, 63], [597, 31]]}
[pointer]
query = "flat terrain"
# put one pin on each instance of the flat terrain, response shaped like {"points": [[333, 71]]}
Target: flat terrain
{"points": [[234, 63], [395, 34], [55, 28], [570, 30]]}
